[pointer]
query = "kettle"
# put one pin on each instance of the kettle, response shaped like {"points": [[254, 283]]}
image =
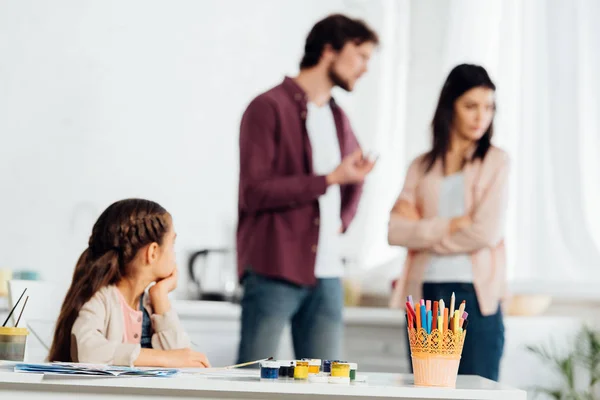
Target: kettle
{"points": [[214, 273]]}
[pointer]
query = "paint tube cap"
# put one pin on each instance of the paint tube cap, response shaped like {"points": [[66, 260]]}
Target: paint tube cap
{"points": [[269, 364], [314, 362], [353, 366]]}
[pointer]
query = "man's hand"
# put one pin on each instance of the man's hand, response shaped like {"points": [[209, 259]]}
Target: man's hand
{"points": [[353, 169]]}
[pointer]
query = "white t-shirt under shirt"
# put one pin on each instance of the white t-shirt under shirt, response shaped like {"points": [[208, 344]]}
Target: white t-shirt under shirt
{"points": [[453, 267], [326, 156]]}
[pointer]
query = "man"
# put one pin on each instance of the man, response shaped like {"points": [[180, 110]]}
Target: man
{"points": [[301, 175]]}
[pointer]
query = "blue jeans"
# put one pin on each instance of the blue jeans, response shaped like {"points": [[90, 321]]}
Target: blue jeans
{"points": [[484, 343], [315, 314]]}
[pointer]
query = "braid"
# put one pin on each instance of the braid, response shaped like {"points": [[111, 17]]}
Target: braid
{"points": [[137, 232]]}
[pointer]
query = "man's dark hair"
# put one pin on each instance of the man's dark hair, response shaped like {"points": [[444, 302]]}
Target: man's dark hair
{"points": [[336, 30]]}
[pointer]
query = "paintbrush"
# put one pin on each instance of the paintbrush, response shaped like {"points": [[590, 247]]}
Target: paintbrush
{"points": [[22, 309], [248, 363], [13, 309], [202, 371]]}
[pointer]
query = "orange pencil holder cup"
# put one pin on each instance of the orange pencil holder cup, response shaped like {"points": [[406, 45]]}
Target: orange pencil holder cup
{"points": [[435, 356]]}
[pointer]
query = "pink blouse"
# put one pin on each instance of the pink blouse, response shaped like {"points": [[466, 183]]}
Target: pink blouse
{"points": [[132, 321]]}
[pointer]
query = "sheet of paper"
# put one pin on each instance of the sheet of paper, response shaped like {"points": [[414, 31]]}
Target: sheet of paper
{"points": [[92, 369]]}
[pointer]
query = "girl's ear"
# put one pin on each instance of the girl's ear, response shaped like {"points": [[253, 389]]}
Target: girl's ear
{"points": [[152, 253]]}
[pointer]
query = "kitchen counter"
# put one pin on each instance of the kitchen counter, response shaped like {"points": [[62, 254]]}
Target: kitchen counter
{"points": [[217, 310]]}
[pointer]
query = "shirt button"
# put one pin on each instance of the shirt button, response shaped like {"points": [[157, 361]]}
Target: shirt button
{"points": [[314, 248], [317, 221], [303, 114], [298, 96], [135, 336]]}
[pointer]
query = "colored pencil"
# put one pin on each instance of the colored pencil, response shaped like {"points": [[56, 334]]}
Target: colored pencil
{"points": [[446, 319], [455, 321], [429, 322], [411, 315], [461, 308]]}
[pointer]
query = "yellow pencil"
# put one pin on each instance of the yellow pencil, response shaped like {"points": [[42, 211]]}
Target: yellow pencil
{"points": [[455, 321]]}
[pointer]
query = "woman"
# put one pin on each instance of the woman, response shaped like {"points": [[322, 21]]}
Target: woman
{"points": [[450, 217]]}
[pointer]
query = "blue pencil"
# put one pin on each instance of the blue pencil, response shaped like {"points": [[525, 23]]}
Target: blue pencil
{"points": [[424, 318], [429, 316]]}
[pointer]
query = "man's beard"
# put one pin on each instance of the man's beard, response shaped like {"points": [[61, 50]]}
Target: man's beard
{"points": [[338, 80]]}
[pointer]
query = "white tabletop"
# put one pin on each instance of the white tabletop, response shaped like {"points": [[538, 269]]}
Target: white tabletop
{"points": [[37, 386]]}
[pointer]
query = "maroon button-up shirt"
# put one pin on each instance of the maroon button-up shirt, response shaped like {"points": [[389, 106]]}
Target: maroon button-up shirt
{"points": [[278, 212]]}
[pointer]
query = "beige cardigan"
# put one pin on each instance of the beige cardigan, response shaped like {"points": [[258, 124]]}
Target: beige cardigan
{"points": [[98, 332], [486, 185]]}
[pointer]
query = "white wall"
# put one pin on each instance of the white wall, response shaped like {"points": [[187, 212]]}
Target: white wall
{"points": [[105, 100]]}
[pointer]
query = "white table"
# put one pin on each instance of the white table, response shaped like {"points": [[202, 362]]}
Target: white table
{"points": [[36, 386]]}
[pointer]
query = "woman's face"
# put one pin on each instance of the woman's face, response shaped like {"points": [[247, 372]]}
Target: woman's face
{"points": [[473, 113]]}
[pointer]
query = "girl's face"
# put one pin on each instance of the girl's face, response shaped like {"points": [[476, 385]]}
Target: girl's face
{"points": [[164, 263], [473, 113]]}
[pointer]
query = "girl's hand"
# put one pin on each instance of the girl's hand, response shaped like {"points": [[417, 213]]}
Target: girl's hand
{"points": [[159, 293], [168, 284], [180, 358], [186, 358]]}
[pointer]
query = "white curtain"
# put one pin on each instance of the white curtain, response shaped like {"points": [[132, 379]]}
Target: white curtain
{"points": [[378, 110], [550, 135], [543, 56]]}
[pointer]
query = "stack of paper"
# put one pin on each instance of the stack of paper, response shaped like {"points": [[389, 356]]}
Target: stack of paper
{"points": [[93, 369]]}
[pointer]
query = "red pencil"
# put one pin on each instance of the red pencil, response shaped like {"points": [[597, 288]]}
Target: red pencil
{"points": [[435, 315], [411, 314]]}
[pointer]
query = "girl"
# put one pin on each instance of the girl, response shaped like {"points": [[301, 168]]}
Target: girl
{"points": [[107, 316], [450, 216]]}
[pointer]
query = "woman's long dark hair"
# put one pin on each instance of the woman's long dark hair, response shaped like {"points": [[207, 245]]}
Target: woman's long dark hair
{"points": [[462, 78], [120, 232]]}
